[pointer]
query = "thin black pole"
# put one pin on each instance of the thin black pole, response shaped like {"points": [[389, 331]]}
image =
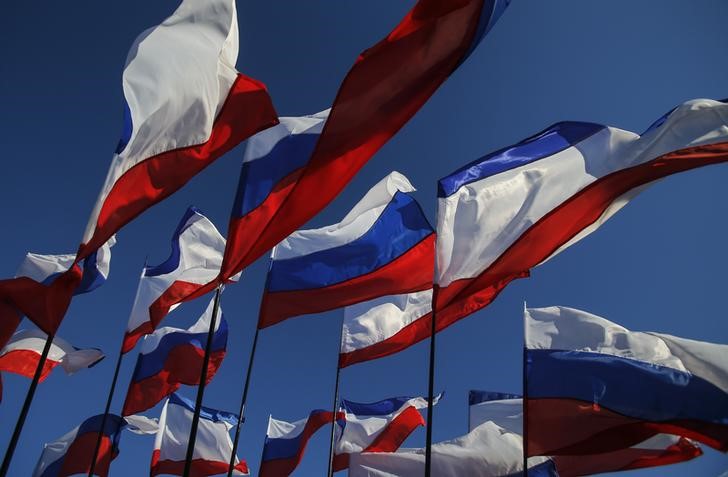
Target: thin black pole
{"points": [[524, 399], [201, 386], [335, 406], [243, 401], [26, 407], [97, 448], [431, 390]]}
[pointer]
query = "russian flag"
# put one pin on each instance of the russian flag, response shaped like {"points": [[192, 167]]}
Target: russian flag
{"points": [[22, 354], [185, 106], [213, 445], [385, 87], [506, 410], [285, 443], [171, 357], [594, 386], [380, 426], [383, 246], [71, 454], [197, 249], [511, 210]]}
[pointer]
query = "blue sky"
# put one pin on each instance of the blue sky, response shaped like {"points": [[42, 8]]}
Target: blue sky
{"points": [[658, 265]]}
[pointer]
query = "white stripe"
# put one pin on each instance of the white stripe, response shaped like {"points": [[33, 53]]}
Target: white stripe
{"points": [[71, 359], [39, 267], [176, 79], [373, 321], [477, 223], [356, 223], [278, 429], [263, 142]]}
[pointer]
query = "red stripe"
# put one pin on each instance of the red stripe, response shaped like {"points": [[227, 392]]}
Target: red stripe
{"points": [[199, 467], [572, 427], [77, 459], [183, 366], [463, 297], [625, 459], [24, 362], [9, 322], [247, 110], [386, 86], [408, 273]]}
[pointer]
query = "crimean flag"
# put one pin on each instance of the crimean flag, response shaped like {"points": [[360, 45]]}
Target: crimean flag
{"points": [[594, 386], [384, 246]]}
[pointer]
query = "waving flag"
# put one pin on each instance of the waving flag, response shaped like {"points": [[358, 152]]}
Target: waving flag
{"points": [[616, 388], [285, 443], [171, 357], [71, 454], [376, 427], [504, 214], [22, 354], [185, 106], [387, 85], [383, 246], [506, 410], [197, 249], [213, 446]]}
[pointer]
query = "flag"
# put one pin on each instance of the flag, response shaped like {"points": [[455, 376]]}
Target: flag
{"points": [[376, 427], [385, 87], [22, 354], [383, 246], [71, 454], [213, 445], [511, 210], [185, 105], [506, 410], [594, 386], [197, 249], [171, 357]]}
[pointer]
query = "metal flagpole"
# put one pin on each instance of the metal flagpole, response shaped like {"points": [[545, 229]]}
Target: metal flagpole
{"points": [[431, 389], [336, 404], [201, 386], [524, 399], [243, 401], [26, 407]]}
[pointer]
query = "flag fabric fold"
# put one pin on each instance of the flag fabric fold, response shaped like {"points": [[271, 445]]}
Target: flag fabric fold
{"points": [[616, 387], [383, 246], [195, 259], [171, 357], [511, 210], [213, 445], [22, 353]]}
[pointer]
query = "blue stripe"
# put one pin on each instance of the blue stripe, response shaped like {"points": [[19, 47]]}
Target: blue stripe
{"points": [[286, 448], [126, 129], [401, 226], [154, 362], [544, 469], [633, 388], [206, 413], [555, 139], [379, 408], [259, 177], [92, 277], [477, 397], [172, 263], [489, 15]]}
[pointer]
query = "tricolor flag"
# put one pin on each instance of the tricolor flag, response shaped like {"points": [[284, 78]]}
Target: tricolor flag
{"points": [[22, 354], [506, 410], [197, 249], [71, 454], [185, 106], [386, 86], [285, 443], [511, 210], [594, 386], [384, 246], [170, 357], [376, 427], [213, 445]]}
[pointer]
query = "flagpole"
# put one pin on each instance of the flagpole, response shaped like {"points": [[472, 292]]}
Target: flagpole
{"points": [[336, 404], [201, 386], [243, 402], [97, 448], [431, 389], [26, 407], [524, 399]]}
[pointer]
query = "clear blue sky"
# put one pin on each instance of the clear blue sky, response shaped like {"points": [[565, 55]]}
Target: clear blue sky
{"points": [[658, 265]]}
